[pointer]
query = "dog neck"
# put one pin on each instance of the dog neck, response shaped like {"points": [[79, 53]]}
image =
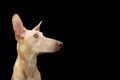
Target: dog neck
{"points": [[26, 63], [25, 56]]}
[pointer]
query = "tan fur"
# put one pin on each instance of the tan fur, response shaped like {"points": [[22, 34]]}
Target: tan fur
{"points": [[30, 43]]}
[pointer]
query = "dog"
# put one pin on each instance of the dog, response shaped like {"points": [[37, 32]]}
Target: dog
{"points": [[30, 43]]}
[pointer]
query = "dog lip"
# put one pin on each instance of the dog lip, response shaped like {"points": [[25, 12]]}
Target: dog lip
{"points": [[59, 47], [39, 53]]}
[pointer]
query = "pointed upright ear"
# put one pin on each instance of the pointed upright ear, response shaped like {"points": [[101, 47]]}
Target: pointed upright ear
{"points": [[18, 27], [37, 28]]}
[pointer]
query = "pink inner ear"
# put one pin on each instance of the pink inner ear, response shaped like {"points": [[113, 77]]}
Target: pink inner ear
{"points": [[19, 28], [18, 25]]}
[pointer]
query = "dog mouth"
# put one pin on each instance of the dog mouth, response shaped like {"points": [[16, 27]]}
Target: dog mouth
{"points": [[52, 49]]}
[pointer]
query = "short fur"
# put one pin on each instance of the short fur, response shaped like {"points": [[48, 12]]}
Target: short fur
{"points": [[30, 43]]}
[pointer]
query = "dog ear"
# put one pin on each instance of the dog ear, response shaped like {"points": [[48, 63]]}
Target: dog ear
{"points": [[37, 28], [18, 26]]}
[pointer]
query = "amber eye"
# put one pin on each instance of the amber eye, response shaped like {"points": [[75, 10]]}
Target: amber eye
{"points": [[35, 35]]}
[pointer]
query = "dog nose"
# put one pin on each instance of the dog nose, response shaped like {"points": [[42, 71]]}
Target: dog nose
{"points": [[59, 44]]}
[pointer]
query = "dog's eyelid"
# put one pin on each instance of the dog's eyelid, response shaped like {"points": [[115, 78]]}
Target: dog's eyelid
{"points": [[36, 35]]}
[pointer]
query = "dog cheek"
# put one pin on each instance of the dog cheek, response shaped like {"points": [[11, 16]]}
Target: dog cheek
{"points": [[31, 42], [36, 48]]}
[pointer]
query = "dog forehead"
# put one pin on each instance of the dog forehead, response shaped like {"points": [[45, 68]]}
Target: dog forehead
{"points": [[30, 33]]}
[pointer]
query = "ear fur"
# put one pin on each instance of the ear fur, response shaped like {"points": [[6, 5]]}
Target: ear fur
{"points": [[18, 27], [37, 28]]}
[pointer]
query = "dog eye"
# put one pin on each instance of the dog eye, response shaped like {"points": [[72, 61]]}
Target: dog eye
{"points": [[35, 35]]}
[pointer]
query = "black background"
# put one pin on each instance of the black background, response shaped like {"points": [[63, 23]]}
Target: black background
{"points": [[54, 17], [80, 24]]}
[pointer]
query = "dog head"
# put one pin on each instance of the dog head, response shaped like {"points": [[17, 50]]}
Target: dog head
{"points": [[33, 40]]}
